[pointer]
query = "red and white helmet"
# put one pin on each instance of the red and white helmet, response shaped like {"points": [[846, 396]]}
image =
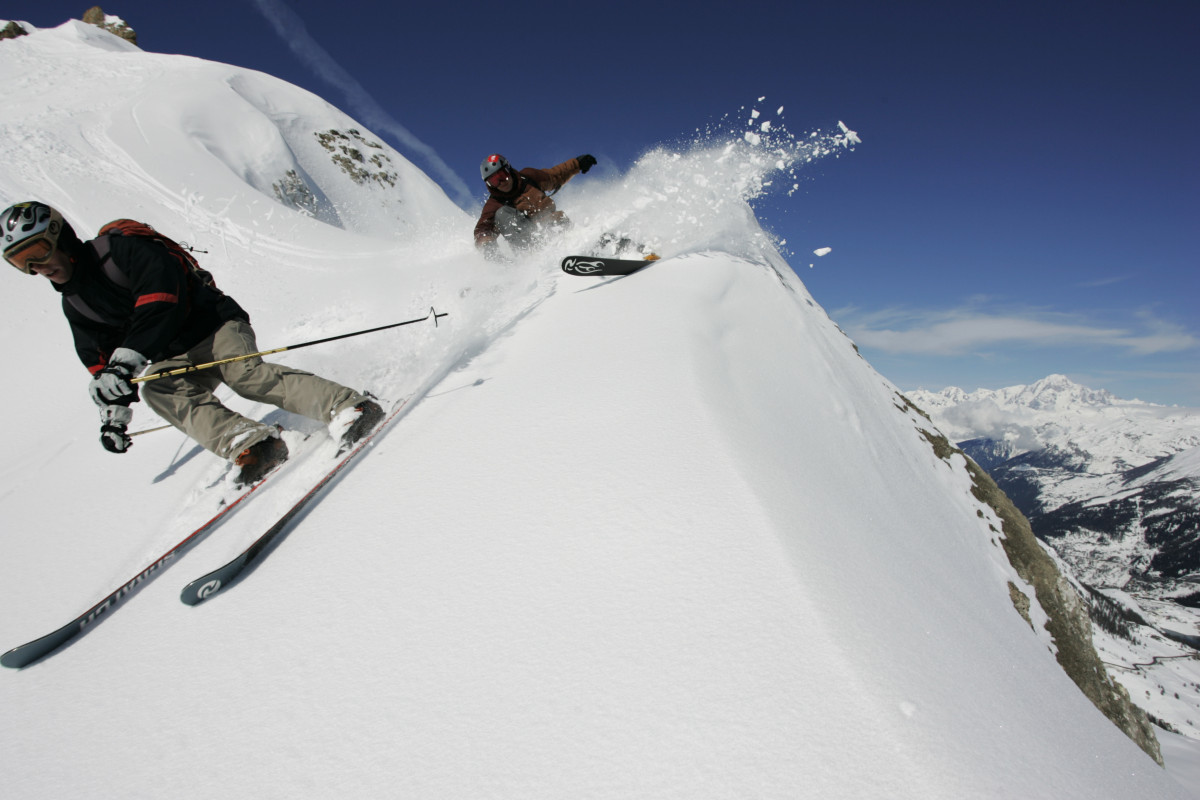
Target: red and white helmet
{"points": [[493, 164]]}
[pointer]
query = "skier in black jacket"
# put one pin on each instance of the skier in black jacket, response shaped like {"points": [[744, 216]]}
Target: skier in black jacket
{"points": [[132, 303]]}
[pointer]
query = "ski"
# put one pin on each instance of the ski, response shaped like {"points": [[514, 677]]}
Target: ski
{"points": [[38, 649], [223, 577], [602, 265]]}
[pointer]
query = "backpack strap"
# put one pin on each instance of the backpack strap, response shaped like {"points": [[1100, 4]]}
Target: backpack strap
{"points": [[103, 247], [79, 305], [103, 250]]}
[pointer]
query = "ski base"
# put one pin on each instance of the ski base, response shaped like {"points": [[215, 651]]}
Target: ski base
{"points": [[602, 265], [38, 649], [220, 579]]}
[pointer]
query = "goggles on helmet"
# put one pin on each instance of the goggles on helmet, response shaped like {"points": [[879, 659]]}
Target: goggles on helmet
{"points": [[30, 253], [44, 225], [492, 164], [496, 178]]}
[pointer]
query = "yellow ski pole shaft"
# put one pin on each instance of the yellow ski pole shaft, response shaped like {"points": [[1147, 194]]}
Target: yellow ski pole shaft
{"points": [[197, 367], [151, 430]]}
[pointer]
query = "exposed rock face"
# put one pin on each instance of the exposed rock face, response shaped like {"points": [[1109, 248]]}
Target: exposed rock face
{"points": [[114, 25], [1068, 620], [363, 168], [12, 30], [293, 192]]}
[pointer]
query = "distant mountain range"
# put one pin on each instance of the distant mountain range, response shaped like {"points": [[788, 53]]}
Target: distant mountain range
{"points": [[1113, 485]]}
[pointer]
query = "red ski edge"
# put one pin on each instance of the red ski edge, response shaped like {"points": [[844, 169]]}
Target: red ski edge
{"points": [[38, 649], [206, 586]]}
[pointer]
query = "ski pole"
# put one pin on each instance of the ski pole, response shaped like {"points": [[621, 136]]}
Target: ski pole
{"points": [[197, 367], [152, 430]]}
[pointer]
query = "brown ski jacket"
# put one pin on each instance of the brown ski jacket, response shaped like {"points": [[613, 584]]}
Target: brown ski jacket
{"points": [[529, 195]]}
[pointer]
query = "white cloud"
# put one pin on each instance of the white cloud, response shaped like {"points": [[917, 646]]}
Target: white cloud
{"points": [[1160, 335], [1099, 282], [970, 330], [986, 419]]}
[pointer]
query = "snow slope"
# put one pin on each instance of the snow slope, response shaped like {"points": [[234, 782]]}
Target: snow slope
{"points": [[667, 535], [1111, 485]]}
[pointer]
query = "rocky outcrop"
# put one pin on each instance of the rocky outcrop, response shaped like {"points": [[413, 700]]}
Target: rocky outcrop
{"points": [[345, 148], [1068, 621], [12, 30], [294, 193], [114, 25]]}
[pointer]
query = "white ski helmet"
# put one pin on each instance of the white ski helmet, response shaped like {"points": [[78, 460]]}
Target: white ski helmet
{"points": [[29, 233]]}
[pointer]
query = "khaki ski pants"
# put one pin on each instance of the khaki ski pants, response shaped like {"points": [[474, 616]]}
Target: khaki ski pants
{"points": [[188, 401]]}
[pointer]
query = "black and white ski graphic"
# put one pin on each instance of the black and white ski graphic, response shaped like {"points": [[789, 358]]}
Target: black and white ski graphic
{"points": [[223, 577], [38, 649], [602, 265]]}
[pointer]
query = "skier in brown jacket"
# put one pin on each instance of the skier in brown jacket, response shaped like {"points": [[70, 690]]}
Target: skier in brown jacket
{"points": [[519, 205]]}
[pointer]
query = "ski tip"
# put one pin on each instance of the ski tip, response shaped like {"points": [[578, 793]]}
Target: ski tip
{"points": [[12, 659], [197, 592], [32, 652]]}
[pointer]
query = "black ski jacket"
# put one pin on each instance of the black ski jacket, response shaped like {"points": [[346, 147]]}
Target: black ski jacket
{"points": [[162, 310]]}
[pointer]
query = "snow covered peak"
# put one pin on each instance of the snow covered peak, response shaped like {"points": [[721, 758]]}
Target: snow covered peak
{"points": [[1058, 392], [71, 33], [202, 141], [1112, 434], [1049, 393]]}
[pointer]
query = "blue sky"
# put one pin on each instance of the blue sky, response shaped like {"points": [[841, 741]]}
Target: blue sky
{"points": [[1026, 199]]}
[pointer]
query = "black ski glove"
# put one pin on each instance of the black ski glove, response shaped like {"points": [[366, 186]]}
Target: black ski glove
{"points": [[586, 162], [114, 422], [112, 384]]}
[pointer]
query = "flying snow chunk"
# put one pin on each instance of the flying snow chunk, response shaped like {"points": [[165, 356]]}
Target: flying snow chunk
{"points": [[822, 251]]}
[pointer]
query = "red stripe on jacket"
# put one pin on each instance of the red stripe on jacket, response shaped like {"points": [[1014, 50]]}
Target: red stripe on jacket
{"points": [[160, 297]]}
